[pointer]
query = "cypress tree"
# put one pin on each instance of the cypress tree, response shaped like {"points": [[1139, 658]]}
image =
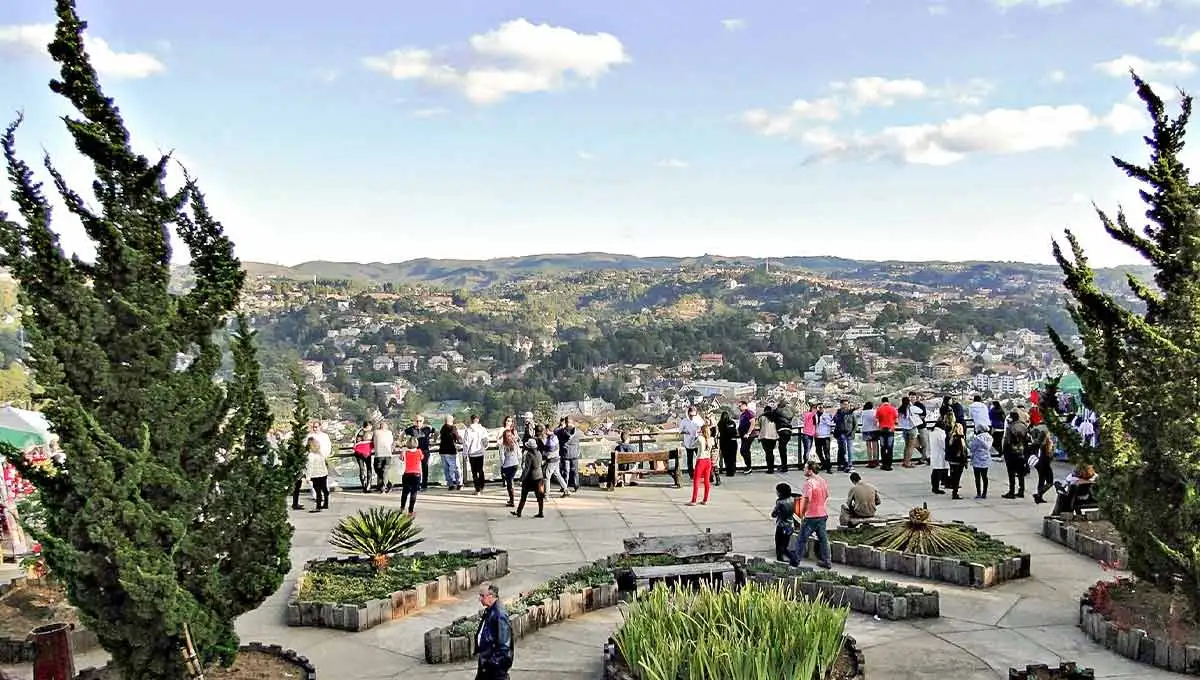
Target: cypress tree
{"points": [[171, 509], [1140, 370]]}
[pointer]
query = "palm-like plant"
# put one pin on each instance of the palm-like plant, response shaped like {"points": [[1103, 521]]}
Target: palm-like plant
{"points": [[377, 533], [918, 534]]}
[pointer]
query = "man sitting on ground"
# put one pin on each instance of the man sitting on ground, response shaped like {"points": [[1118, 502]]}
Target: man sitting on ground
{"points": [[861, 502]]}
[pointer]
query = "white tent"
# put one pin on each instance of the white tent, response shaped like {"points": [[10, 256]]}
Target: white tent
{"points": [[22, 428]]}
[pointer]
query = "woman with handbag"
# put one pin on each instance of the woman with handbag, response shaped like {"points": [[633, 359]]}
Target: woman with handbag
{"points": [[532, 478], [956, 457]]}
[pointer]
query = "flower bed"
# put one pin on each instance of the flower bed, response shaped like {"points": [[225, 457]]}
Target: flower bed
{"points": [[1134, 622], [887, 600], [1065, 671], [346, 594], [989, 563], [1077, 534], [26, 604], [579, 592], [255, 661]]}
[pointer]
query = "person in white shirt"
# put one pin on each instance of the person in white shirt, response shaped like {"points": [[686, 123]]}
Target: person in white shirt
{"points": [[979, 415], [382, 443], [475, 443], [317, 471], [690, 428]]}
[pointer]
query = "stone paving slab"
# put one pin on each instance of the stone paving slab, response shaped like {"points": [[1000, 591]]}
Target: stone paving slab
{"points": [[980, 634]]}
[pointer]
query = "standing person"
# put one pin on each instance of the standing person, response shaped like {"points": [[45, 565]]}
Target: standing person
{"points": [[364, 455], [494, 639], [746, 433], [843, 427], [382, 443], [448, 440], [1041, 452], [510, 460], [783, 427], [908, 430], [713, 446], [980, 448], [689, 428], [956, 457], [870, 434], [727, 438], [569, 445], [475, 440], [824, 435], [410, 483], [548, 446], [808, 432], [814, 516], [996, 424], [704, 464], [981, 419], [1016, 435], [920, 418], [937, 452], [317, 470], [886, 417], [423, 434], [784, 514], [533, 478], [768, 435]]}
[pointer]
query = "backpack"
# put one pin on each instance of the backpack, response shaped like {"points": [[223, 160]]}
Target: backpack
{"points": [[956, 449]]}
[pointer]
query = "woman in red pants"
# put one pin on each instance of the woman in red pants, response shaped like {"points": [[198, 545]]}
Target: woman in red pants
{"points": [[706, 461]]}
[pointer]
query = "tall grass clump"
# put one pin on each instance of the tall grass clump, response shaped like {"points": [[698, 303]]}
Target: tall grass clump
{"points": [[758, 632]]}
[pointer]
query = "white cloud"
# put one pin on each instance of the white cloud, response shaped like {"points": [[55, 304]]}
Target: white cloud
{"points": [[585, 156], [1140, 4], [936, 9], [733, 24], [1120, 67], [674, 163], [432, 112], [879, 92], [31, 40], [1056, 76], [326, 75], [1187, 43], [1009, 4], [519, 57]]}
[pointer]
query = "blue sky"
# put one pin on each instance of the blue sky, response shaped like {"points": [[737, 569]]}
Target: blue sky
{"points": [[380, 131]]}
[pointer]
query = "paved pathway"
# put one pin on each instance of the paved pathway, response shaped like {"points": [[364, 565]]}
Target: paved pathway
{"points": [[980, 635]]}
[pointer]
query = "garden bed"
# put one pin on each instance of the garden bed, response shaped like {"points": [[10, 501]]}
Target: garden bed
{"points": [[1066, 670], [1136, 621], [851, 665], [578, 592], [26, 604], [988, 563], [347, 594], [255, 661], [885, 599], [1095, 538]]}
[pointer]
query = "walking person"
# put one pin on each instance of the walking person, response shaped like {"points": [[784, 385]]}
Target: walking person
{"points": [[364, 451], [886, 417], [1016, 437], [824, 435], [510, 461], [937, 452], [712, 444], [382, 443], [689, 429], [783, 427], [704, 466], [727, 438], [1042, 456], [980, 448], [423, 434], [475, 440], [532, 478], [746, 434], [870, 434], [448, 440], [549, 448], [494, 638], [768, 435], [814, 517], [843, 429], [956, 457], [317, 471], [410, 483]]}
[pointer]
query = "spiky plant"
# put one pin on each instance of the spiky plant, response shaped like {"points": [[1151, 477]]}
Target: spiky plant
{"points": [[377, 533], [920, 535]]}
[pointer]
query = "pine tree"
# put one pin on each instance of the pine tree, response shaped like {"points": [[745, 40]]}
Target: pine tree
{"points": [[166, 514], [1141, 371]]}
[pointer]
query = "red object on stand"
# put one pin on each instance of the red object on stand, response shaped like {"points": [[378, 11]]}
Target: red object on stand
{"points": [[53, 657]]}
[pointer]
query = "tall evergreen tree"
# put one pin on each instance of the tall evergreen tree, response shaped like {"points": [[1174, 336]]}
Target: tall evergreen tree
{"points": [[167, 513], [1141, 370]]}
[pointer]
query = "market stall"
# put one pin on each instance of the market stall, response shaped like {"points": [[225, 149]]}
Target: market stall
{"points": [[27, 431]]}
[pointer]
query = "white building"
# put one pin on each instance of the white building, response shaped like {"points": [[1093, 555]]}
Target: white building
{"points": [[1001, 383], [725, 388]]}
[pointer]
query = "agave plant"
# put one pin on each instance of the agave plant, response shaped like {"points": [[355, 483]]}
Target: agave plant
{"points": [[377, 533], [919, 534]]}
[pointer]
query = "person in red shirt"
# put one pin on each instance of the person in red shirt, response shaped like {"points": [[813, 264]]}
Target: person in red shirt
{"points": [[1035, 416], [814, 517], [886, 416], [410, 483]]}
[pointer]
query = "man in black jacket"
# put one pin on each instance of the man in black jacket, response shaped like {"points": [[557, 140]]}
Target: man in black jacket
{"points": [[494, 640], [783, 426]]}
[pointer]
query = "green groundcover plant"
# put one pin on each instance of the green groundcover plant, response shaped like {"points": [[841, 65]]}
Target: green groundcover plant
{"points": [[357, 582]]}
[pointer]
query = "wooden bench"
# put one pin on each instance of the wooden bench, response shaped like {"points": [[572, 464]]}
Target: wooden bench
{"points": [[684, 546], [705, 551], [685, 574], [671, 458]]}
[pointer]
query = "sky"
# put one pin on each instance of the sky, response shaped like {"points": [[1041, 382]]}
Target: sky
{"points": [[374, 130]]}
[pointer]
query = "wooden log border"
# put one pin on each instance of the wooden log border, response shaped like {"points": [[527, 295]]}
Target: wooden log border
{"points": [[491, 565], [1135, 643], [1064, 533], [306, 670]]}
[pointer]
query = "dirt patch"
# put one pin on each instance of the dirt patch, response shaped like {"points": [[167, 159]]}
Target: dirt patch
{"points": [[31, 605], [1163, 616], [1100, 529], [250, 665], [846, 667]]}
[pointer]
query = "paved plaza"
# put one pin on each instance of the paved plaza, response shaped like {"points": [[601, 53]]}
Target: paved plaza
{"points": [[980, 635]]}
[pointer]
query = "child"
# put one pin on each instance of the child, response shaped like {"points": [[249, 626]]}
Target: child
{"points": [[980, 448], [783, 514], [318, 475], [411, 481], [625, 478]]}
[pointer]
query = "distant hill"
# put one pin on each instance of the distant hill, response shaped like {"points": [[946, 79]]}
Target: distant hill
{"points": [[484, 273]]}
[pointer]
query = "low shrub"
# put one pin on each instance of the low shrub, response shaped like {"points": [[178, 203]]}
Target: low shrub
{"points": [[358, 582], [589, 576]]}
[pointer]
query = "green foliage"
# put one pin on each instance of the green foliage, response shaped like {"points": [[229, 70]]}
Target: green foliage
{"points": [[1140, 370], [757, 632], [356, 583], [377, 534], [170, 510]]}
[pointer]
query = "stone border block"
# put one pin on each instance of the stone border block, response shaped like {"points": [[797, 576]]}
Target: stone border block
{"points": [[1066, 670], [1135, 644], [1064, 533], [914, 603], [305, 667], [356, 618]]}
